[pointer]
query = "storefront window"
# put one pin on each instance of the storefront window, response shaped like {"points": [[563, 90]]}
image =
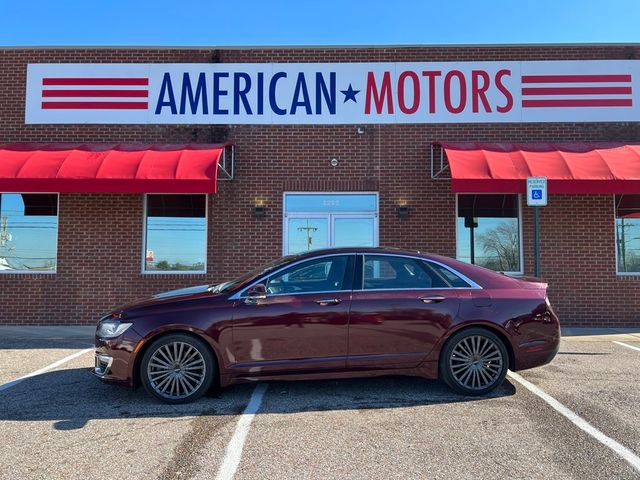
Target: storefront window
{"points": [[28, 232], [489, 231], [628, 233], [175, 233], [322, 220]]}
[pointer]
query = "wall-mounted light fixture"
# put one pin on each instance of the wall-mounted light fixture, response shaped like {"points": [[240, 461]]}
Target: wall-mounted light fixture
{"points": [[360, 130], [403, 211], [260, 211]]}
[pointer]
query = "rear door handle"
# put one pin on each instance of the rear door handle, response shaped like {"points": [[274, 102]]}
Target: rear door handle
{"points": [[433, 298], [328, 301]]}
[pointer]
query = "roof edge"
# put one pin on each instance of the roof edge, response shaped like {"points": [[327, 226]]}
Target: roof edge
{"points": [[105, 146], [312, 47]]}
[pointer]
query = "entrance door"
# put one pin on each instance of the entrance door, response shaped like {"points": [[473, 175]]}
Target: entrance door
{"points": [[318, 220]]}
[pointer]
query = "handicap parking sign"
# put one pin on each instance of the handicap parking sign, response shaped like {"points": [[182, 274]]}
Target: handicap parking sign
{"points": [[537, 191]]}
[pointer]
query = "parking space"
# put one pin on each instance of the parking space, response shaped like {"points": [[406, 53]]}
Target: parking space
{"points": [[366, 428], [602, 386], [15, 363]]}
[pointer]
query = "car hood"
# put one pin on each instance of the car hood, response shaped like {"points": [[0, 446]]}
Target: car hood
{"points": [[169, 296], [182, 292]]}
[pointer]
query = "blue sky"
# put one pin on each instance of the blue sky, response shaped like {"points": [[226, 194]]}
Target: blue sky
{"points": [[327, 22]]}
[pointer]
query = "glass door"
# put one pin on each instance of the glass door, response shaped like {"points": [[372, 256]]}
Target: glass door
{"points": [[306, 233], [317, 220], [354, 231]]}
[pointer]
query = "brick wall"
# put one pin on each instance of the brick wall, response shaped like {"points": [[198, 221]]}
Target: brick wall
{"points": [[100, 236]]}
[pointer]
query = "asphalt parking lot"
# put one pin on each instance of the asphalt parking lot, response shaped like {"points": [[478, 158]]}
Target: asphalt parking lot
{"points": [[63, 423]]}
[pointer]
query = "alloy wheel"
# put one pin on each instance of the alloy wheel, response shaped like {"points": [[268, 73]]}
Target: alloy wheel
{"points": [[176, 370], [476, 362]]}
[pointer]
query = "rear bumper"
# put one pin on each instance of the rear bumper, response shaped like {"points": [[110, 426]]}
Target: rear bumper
{"points": [[536, 359], [538, 352]]}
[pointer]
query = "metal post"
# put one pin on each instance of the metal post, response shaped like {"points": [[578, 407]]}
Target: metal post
{"points": [[472, 249], [536, 243], [622, 246]]}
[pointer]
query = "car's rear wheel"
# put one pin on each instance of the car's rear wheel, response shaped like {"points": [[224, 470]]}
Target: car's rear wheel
{"points": [[474, 361], [178, 368]]}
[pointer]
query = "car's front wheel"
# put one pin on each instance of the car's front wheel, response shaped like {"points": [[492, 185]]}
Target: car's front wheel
{"points": [[177, 368], [474, 361]]}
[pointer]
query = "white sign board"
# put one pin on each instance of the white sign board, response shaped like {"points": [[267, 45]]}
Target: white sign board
{"points": [[334, 93], [537, 191]]}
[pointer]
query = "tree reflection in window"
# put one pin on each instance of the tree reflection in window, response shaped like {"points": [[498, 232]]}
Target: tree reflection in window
{"points": [[489, 231]]}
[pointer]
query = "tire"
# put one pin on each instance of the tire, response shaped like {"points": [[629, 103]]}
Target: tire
{"points": [[474, 362], [178, 368]]}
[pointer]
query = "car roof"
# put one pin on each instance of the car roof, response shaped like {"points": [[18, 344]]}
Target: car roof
{"points": [[347, 250], [480, 275]]}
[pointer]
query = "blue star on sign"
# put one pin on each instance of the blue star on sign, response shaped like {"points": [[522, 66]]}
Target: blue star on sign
{"points": [[350, 94]]}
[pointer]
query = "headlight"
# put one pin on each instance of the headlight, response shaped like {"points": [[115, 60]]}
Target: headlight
{"points": [[111, 328]]}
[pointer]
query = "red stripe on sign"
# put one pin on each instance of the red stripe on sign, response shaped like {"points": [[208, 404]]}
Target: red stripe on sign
{"points": [[577, 91], [599, 102], [95, 81], [95, 93], [574, 78], [94, 105]]}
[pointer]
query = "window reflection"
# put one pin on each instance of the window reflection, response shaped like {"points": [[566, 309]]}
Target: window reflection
{"points": [[385, 272], [176, 233], [317, 275], [489, 231], [321, 220], [307, 234], [628, 233], [354, 232], [28, 232]]}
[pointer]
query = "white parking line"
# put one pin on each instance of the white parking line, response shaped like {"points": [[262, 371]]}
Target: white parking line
{"points": [[233, 452], [15, 382], [628, 346], [580, 422]]}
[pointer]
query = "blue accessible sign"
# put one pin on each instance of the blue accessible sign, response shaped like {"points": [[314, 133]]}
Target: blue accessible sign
{"points": [[537, 191]]}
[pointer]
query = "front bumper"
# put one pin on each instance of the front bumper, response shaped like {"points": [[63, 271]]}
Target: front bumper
{"points": [[115, 359], [102, 365]]}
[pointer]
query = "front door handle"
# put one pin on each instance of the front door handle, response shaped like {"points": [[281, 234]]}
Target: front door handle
{"points": [[328, 301], [433, 298]]}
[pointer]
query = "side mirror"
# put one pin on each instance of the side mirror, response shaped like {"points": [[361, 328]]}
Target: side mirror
{"points": [[255, 293]]}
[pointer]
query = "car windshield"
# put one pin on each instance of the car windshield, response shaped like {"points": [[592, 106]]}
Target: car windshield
{"points": [[262, 270]]}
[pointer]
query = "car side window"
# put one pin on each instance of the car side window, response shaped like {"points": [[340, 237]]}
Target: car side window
{"points": [[450, 277], [383, 272], [324, 274]]}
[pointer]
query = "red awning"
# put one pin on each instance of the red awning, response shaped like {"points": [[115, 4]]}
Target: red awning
{"points": [[569, 167], [132, 168]]}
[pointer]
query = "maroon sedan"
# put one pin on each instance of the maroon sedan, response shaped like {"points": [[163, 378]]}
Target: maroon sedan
{"points": [[332, 314]]}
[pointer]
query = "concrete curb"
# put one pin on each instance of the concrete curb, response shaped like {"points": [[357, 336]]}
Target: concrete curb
{"points": [[75, 332], [579, 334]]}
